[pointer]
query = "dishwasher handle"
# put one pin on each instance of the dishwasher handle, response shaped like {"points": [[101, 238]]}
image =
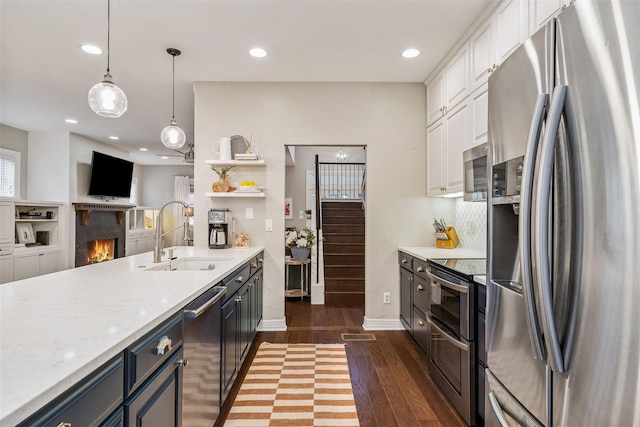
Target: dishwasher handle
{"points": [[192, 314]]}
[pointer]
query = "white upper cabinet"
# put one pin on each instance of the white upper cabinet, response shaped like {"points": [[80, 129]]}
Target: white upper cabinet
{"points": [[511, 26], [483, 54], [540, 11], [479, 101], [435, 99], [450, 87], [446, 140], [457, 78]]}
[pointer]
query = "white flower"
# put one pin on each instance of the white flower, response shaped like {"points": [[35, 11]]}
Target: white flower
{"points": [[301, 238]]}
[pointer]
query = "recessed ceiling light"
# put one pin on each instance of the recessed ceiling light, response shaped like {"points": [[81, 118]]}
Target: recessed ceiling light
{"points": [[89, 48], [144, 149], [258, 52], [114, 137], [411, 53], [74, 121], [164, 157]]}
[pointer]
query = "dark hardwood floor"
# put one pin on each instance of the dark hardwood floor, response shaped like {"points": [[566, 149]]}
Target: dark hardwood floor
{"points": [[390, 379]]}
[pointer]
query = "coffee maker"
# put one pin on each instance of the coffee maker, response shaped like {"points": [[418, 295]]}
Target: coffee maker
{"points": [[220, 229]]}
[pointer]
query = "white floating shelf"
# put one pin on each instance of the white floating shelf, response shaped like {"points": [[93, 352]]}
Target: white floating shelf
{"points": [[236, 194], [235, 162]]}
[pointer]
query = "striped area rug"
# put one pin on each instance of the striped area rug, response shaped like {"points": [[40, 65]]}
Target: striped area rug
{"points": [[296, 385]]}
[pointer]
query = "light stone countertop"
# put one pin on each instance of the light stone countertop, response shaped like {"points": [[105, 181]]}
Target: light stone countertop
{"points": [[426, 252], [57, 328], [482, 279]]}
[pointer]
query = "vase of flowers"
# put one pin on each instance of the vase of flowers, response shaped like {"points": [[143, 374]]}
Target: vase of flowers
{"points": [[300, 242]]}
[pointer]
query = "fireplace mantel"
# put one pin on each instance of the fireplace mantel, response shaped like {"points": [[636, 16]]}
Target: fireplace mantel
{"points": [[87, 208]]}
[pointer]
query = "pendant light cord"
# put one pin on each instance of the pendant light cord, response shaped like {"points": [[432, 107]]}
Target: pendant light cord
{"points": [[108, 32], [173, 88]]}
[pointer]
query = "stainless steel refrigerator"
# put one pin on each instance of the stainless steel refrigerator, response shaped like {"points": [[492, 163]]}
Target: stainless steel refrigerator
{"points": [[563, 303]]}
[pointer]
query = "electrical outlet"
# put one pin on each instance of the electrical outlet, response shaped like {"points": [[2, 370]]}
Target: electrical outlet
{"points": [[248, 213], [386, 297]]}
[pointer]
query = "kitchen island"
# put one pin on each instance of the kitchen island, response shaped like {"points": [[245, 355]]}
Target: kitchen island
{"points": [[58, 328]]}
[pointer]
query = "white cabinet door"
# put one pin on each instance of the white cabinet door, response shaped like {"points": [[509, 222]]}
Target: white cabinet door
{"points": [[435, 153], [49, 262], [512, 27], [6, 268], [457, 140], [483, 54], [26, 266], [479, 115], [457, 78], [435, 99], [7, 222], [540, 11]]}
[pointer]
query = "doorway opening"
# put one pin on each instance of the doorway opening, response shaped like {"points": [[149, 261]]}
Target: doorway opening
{"points": [[333, 206]]}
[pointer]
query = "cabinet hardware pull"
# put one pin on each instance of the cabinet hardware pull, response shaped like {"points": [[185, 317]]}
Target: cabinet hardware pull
{"points": [[419, 288], [419, 269], [404, 261], [260, 260], [163, 346], [239, 299], [183, 362], [420, 322], [240, 279], [63, 424], [250, 285], [254, 265]]}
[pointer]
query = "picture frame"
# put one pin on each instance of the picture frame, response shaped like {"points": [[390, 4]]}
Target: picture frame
{"points": [[288, 208], [25, 233]]}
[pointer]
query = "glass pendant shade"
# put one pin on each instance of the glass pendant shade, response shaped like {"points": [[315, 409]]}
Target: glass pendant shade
{"points": [[106, 99], [172, 136]]}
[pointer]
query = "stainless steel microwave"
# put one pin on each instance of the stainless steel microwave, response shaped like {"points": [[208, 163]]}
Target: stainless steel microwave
{"points": [[476, 172]]}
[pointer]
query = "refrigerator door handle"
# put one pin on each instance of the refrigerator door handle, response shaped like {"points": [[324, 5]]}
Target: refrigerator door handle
{"points": [[543, 196], [524, 225], [497, 410]]}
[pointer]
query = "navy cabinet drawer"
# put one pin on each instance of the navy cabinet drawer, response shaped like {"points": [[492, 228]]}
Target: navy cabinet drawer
{"points": [[89, 403], [235, 280], [405, 261], [420, 293], [420, 268], [148, 353], [256, 263], [421, 330]]}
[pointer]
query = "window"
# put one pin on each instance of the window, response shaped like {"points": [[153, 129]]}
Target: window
{"points": [[9, 173], [133, 197]]}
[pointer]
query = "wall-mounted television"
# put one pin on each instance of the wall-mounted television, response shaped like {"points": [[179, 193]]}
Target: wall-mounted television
{"points": [[110, 176]]}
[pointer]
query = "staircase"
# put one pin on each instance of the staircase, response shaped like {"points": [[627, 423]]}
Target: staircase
{"points": [[343, 248]]}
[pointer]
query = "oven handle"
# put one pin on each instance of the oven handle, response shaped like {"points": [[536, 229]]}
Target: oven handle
{"points": [[452, 340], [454, 286]]}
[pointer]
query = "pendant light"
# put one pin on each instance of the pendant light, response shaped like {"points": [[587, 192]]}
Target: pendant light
{"points": [[172, 136], [105, 98]]}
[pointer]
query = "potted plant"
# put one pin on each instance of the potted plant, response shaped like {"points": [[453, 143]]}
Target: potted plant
{"points": [[308, 213], [300, 242]]}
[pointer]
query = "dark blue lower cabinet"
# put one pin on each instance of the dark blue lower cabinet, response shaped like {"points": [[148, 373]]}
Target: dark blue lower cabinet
{"points": [[158, 403], [88, 403], [115, 420]]}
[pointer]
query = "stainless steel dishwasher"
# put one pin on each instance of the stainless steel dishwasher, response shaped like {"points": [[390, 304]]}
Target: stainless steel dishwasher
{"points": [[202, 347]]}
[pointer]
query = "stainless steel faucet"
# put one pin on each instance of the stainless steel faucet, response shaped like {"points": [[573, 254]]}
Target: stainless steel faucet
{"points": [[157, 247]]}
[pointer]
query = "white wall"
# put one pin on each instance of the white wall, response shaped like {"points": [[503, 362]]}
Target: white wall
{"points": [[17, 140], [156, 183], [388, 118]]}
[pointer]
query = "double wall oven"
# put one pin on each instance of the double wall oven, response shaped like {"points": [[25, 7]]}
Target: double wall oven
{"points": [[451, 330]]}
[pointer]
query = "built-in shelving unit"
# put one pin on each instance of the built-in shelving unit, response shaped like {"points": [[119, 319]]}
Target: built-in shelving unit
{"points": [[238, 194]]}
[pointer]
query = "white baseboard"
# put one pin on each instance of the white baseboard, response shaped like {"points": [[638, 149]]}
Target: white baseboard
{"points": [[274, 325], [382, 325]]}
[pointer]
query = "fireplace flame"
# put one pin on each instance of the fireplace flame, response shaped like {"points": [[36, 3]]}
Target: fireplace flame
{"points": [[100, 250]]}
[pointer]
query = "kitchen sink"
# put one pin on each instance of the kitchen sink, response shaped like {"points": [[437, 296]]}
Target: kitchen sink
{"points": [[190, 264]]}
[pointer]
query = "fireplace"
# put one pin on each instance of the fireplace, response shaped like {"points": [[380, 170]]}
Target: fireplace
{"points": [[100, 233], [101, 250]]}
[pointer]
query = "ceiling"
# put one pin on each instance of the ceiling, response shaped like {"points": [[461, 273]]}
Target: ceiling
{"points": [[45, 77]]}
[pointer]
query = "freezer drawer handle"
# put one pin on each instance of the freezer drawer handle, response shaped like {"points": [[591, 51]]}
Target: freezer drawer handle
{"points": [[452, 340], [497, 410], [454, 286]]}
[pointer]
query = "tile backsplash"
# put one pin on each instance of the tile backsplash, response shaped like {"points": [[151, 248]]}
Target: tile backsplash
{"points": [[471, 224]]}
